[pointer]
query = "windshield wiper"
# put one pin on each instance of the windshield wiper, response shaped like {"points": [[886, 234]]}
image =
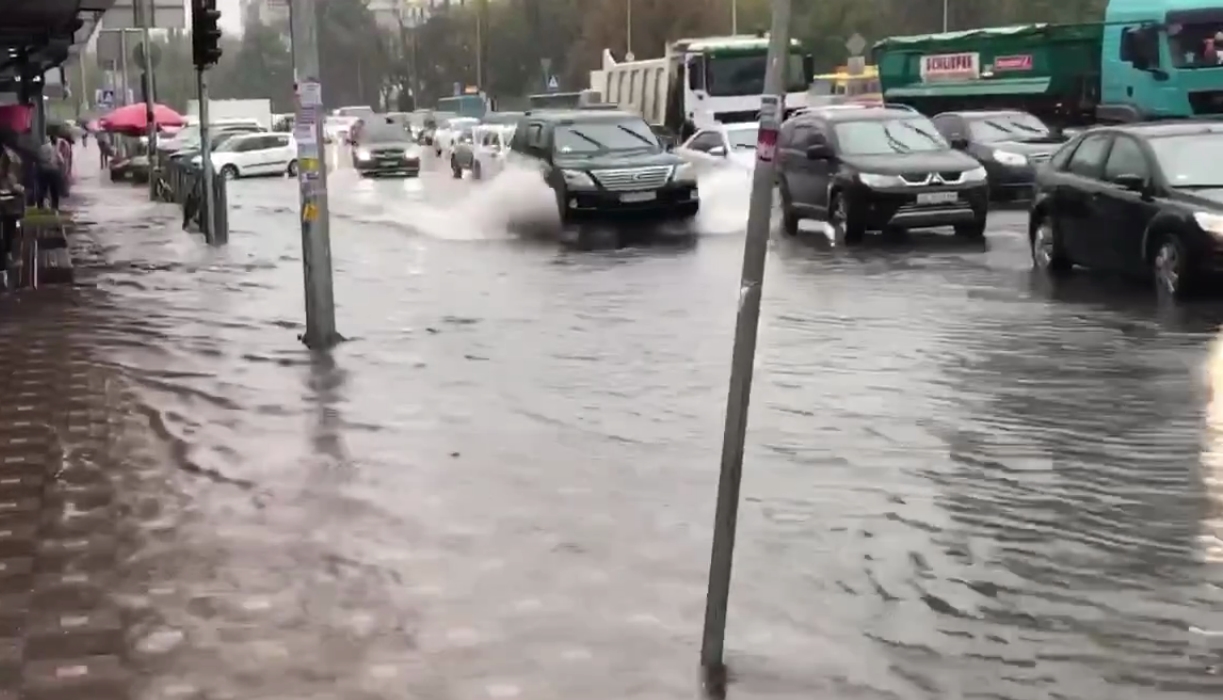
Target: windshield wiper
{"points": [[1028, 128], [636, 135], [594, 142], [998, 125], [930, 137], [896, 144]]}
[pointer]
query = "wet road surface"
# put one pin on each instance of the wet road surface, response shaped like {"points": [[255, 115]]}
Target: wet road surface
{"points": [[961, 481]]}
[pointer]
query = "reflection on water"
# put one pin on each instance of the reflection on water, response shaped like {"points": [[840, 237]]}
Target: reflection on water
{"points": [[959, 483]]}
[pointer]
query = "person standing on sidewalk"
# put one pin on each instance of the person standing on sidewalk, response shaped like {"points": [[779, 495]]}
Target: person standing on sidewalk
{"points": [[50, 175]]}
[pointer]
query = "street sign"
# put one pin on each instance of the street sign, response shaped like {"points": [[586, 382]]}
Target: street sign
{"points": [[104, 98], [458, 89], [553, 84], [167, 14], [856, 45]]}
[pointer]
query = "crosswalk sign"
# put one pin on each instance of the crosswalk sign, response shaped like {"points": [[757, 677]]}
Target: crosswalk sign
{"points": [[553, 84], [104, 97]]}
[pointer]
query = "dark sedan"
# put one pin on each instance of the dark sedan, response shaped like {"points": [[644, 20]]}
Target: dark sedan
{"points": [[1010, 145], [1144, 200], [385, 149]]}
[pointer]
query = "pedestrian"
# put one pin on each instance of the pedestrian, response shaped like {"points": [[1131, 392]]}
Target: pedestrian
{"points": [[64, 147], [50, 176], [105, 149]]}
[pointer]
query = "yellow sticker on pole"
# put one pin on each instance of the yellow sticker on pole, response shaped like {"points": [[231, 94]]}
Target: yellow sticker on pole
{"points": [[310, 212], [309, 165]]}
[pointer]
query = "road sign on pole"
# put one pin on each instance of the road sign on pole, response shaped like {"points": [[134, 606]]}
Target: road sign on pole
{"points": [[755, 250], [553, 84], [312, 178]]}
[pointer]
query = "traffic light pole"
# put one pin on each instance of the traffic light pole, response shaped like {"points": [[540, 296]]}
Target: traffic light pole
{"points": [[209, 218], [755, 251], [312, 178]]}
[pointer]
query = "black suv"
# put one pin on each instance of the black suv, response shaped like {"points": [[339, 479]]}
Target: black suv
{"points": [[604, 163], [877, 169]]}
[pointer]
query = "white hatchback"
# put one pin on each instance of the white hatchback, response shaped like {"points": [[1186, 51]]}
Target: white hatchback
{"points": [[732, 144], [492, 144], [249, 155]]}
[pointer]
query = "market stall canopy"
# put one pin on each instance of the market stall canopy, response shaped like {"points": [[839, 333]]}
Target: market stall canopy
{"points": [[132, 120]]}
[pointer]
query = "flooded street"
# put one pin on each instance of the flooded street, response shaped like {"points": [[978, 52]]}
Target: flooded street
{"points": [[961, 480]]}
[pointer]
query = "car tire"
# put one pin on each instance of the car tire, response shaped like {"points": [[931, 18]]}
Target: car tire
{"points": [[230, 172], [789, 217], [1048, 251], [847, 227], [562, 209], [688, 211], [1170, 266], [455, 169], [476, 171], [291, 171], [973, 232]]}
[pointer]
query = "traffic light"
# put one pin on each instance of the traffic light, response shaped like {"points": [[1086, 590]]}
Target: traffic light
{"points": [[205, 33]]}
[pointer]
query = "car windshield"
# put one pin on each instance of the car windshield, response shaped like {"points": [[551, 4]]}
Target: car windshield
{"points": [[1190, 161], [742, 138], [1007, 127], [228, 145], [743, 74], [886, 136], [603, 136], [221, 139], [1196, 44], [383, 133]]}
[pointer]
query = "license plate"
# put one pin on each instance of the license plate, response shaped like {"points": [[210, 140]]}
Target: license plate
{"points": [[937, 197], [632, 197]]}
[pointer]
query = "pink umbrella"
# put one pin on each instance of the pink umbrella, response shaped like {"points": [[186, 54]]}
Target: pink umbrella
{"points": [[132, 119]]}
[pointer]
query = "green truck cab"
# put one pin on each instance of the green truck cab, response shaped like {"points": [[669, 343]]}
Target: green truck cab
{"points": [[1147, 59]]}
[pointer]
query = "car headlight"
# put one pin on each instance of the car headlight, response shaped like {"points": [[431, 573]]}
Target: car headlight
{"points": [[684, 172], [1211, 223], [1008, 158], [975, 175], [362, 154], [577, 178], [876, 180]]}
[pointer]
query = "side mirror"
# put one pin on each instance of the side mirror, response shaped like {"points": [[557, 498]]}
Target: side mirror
{"points": [[1131, 182], [719, 151], [959, 143], [819, 151]]}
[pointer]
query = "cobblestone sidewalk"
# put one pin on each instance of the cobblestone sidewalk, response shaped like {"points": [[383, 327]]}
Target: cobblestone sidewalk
{"points": [[60, 635]]}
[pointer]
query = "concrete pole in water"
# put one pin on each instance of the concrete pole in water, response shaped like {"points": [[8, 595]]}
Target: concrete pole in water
{"points": [[209, 217], [755, 250], [144, 19], [312, 178]]}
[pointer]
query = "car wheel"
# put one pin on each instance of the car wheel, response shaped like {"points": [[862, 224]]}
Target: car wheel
{"points": [[1047, 251], [789, 217], [455, 169], [292, 170], [973, 231], [848, 228], [562, 207], [476, 171], [1170, 267], [229, 172]]}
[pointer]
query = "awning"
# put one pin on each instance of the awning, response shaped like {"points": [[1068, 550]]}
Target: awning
{"points": [[973, 88]]}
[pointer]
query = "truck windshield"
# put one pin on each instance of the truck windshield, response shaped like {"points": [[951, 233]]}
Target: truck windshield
{"points": [[1007, 127], [1197, 44], [603, 136], [888, 136], [743, 74], [1187, 161]]}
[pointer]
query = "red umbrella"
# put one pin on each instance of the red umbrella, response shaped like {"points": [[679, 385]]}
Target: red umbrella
{"points": [[133, 118]]}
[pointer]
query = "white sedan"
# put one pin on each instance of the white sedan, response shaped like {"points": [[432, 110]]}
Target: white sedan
{"points": [[491, 147], [722, 143]]}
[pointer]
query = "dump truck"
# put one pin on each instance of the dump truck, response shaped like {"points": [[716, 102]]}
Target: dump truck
{"points": [[1146, 60]]}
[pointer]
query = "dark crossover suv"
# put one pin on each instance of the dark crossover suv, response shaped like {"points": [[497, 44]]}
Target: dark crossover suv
{"points": [[604, 163], [385, 147], [1010, 145], [876, 169], [1144, 200]]}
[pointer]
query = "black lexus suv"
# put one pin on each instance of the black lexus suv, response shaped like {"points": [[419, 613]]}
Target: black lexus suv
{"points": [[604, 163], [877, 169]]}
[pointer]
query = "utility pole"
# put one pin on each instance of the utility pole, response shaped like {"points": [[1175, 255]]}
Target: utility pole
{"points": [[628, 31], [205, 52], [312, 178], [945, 17], [122, 100], [755, 250], [734, 17], [209, 217], [479, 46], [144, 20]]}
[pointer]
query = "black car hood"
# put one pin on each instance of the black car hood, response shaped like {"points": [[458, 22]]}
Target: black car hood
{"points": [[1024, 148], [925, 161], [1210, 199], [610, 160]]}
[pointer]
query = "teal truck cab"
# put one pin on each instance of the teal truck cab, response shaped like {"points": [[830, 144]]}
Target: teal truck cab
{"points": [[1147, 59]]}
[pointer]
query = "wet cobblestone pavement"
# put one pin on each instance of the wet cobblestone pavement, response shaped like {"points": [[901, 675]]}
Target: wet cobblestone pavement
{"points": [[961, 481]]}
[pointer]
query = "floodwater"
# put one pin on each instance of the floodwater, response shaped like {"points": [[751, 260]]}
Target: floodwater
{"points": [[960, 482]]}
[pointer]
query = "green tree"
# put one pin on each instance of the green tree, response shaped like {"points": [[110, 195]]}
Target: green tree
{"points": [[261, 66], [353, 53]]}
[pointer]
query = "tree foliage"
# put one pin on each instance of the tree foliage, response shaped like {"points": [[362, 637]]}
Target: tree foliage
{"points": [[512, 46]]}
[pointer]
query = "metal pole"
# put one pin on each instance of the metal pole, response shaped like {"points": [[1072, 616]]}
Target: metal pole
{"points": [[208, 217], [945, 18], [144, 16], [123, 66], [754, 252], [479, 49], [734, 17], [312, 178], [628, 31], [84, 101]]}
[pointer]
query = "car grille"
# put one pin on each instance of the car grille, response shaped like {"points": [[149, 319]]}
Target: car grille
{"points": [[1206, 101], [915, 178], [387, 152], [633, 178], [946, 177]]}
